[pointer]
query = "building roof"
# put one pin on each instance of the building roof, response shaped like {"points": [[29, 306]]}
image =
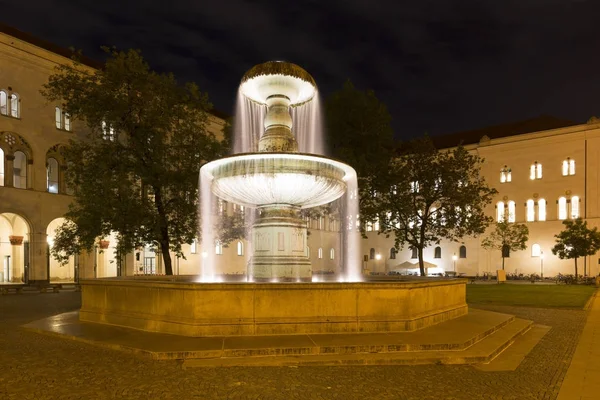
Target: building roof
{"points": [[541, 123], [44, 44]]}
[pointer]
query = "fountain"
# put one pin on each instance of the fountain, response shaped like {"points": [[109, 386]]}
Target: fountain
{"points": [[278, 181], [279, 297]]}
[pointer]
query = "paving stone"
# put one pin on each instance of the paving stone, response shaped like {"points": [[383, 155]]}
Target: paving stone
{"points": [[34, 366]]}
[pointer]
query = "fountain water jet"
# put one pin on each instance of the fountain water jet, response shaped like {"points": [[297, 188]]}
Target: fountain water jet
{"points": [[277, 180]]}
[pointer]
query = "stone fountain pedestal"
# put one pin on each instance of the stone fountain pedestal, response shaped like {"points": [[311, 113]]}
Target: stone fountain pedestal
{"points": [[279, 237]]}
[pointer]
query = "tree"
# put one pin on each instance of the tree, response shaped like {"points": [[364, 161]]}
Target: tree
{"points": [[134, 170], [507, 237], [575, 241], [426, 195], [359, 132]]}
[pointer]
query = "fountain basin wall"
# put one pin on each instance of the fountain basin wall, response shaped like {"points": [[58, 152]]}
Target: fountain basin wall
{"points": [[245, 309]]}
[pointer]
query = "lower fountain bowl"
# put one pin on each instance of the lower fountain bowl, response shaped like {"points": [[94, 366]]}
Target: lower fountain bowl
{"points": [[187, 308]]}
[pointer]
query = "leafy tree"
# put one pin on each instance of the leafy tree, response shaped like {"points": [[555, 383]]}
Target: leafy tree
{"points": [[576, 240], [507, 237], [426, 195], [359, 132], [134, 170]]}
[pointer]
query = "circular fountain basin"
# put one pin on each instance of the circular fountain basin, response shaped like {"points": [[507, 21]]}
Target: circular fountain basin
{"points": [[291, 179]]}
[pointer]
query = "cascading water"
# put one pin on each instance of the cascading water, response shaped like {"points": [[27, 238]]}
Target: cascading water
{"points": [[273, 171]]}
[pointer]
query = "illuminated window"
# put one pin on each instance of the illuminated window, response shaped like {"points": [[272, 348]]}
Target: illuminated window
{"points": [[393, 253], [511, 211], [541, 210], [3, 103], [505, 175], [14, 105], [219, 249], [240, 248], [536, 250], [20, 170], [568, 167], [437, 253], [530, 210], [562, 208], [331, 254], [58, 118], [52, 175], [320, 252], [369, 226], [194, 247], [67, 122], [575, 207], [414, 187], [376, 224], [500, 211], [108, 132], [535, 171]]}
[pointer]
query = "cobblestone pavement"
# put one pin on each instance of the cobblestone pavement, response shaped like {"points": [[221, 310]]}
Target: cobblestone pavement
{"points": [[35, 366]]}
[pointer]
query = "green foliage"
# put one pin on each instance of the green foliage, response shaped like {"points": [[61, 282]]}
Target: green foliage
{"points": [[427, 195], [141, 182], [511, 236], [576, 240]]}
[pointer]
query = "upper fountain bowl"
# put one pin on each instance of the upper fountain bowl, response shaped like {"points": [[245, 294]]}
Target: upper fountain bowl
{"points": [[278, 78]]}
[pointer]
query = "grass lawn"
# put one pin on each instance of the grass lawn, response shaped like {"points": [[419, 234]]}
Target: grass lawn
{"points": [[569, 296]]}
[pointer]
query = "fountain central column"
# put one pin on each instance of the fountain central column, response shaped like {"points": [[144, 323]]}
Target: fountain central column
{"points": [[279, 234]]}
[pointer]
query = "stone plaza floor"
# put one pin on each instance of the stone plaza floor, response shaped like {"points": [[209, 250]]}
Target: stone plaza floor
{"points": [[36, 366]]}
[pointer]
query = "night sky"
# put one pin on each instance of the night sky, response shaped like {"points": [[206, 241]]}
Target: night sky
{"points": [[440, 65]]}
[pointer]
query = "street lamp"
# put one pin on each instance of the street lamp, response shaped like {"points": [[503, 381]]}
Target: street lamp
{"points": [[454, 258], [542, 264]]}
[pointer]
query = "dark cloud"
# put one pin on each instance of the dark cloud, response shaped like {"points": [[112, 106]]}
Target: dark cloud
{"points": [[440, 66]]}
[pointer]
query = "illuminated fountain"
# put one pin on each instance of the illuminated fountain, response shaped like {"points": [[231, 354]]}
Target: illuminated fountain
{"points": [[278, 181]]}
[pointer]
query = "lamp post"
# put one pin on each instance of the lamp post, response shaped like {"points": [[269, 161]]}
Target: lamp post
{"points": [[454, 258], [542, 265]]}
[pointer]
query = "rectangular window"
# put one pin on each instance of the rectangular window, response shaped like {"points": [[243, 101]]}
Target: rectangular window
{"points": [[194, 246], [575, 207]]}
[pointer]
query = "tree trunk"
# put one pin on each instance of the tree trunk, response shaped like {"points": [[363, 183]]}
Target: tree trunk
{"points": [[164, 231], [502, 263], [576, 275], [421, 263], [164, 248]]}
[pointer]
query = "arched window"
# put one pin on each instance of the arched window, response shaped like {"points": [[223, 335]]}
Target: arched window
{"points": [[331, 254], [58, 118], [52, 175], [462, 252], [500, 211], [541, 210], [14, 105], [20, 170], [575, 207], [320, 252], [571, 167], [562, 208], [536, 250], [414, 253], [505, 175], [511, 211], [393, 253], [240, 248], [530, 211], [1, 167], [372, 253], [194, 246], [376, 224], [3, 103], [535, 171], [218, 249], [437, 253]]}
